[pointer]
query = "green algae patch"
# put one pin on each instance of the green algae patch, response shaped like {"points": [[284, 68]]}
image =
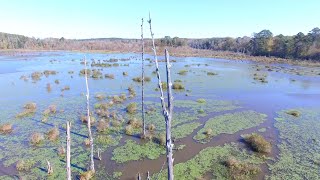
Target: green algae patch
{"points": [[184, 130], [213, 160], [134, 151], [229, 123], [299, 146]]}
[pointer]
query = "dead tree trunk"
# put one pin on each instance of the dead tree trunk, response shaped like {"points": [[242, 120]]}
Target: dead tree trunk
{"points": [[68, 151], [89, 120], [167, 112], [142, 82], [49, 168]]}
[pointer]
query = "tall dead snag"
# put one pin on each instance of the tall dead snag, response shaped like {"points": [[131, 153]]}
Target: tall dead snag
{"points": [[68, 151], [167, 112], [88, 117], [142, 82]]}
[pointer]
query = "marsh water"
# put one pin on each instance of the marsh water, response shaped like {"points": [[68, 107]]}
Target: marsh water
{"points": [[285, 87]]}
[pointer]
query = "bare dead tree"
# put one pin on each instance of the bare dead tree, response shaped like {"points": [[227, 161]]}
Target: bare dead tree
{"points": [[99, 154], [142, 82], [139, 177], [89, 120], [68, 151], [167, 112], [49, 168]]}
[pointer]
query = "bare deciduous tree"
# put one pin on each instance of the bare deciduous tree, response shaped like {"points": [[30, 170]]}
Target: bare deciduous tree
{"points": [[167, 112], [89, 120], [68, 151], [142, 82]]}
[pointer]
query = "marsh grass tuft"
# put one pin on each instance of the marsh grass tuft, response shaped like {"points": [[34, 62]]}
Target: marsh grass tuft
{"points": [[24, 165], [53, 134], [294, 113], [131, 108], [258, 143], [177, 86], [241, 170], [36, 138], [6, 128]]}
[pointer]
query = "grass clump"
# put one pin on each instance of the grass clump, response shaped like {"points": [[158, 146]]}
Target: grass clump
{"points": [[102, 126], [109, 76], [84, 119], [29, 109], [129, 130], [151, 127], [258, 143], [100, 96], [131, 108], [24, 165], [36, 138], [5, 128], [135, 123], [177, 86], [202, 101], [294, 113], [211, 73], [241, 170], [183, 72], [87, 175], [117, 174], [53, 134]]}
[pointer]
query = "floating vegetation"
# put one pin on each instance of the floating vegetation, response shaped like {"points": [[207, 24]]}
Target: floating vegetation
{"points": [[299, 146], [214, 160], [201, 101], [258, 143], [100, 96], [53, 134], [184, 130], [102, 126], [134, 151], [24, 165], [125, 73], [229, 123]]}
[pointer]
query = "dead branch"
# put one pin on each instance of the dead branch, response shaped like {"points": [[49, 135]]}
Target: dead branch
{"points": [[142, 82]]}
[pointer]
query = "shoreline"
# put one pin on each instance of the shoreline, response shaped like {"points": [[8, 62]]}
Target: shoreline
{"points": [[183, 52]]}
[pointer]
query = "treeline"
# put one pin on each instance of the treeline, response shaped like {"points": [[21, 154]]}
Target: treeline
{"points": [[300, 46]]}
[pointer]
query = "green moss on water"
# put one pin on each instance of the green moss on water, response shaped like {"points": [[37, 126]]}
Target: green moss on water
{"points": [[184, 130], [211, 160], [229, 123], [134, 151], [299, 146]]}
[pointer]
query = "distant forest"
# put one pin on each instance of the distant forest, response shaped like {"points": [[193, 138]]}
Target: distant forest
{"points": [[300, 46]]}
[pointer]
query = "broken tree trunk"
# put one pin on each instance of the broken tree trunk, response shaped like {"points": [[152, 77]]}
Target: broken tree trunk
{"points": [[167, 112], [142, 82], [68, 151], [89, 120], [49, 168]]}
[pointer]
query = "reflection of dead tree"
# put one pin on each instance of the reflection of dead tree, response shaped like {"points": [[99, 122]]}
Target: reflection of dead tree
{"points": [[142, 82], [68, 151], [167, 112], [89, 120]]}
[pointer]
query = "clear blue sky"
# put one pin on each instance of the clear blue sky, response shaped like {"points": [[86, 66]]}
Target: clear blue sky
{"points": [[182, 18]]}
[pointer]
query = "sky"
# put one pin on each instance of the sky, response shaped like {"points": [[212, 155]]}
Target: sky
{"points": [[81, 19]]}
